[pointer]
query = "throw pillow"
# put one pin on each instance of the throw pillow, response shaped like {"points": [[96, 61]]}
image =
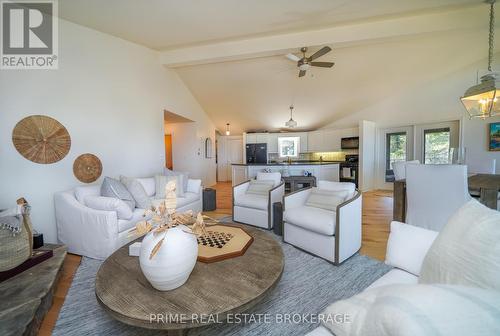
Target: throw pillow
{"points": [[114, 188], [138, 192], [275, 177], [416, 310], [148, 183], [161, 182], [260, 187], [467, 250], [87, 190], [109, 204], [185, 177], [326, 199], [407, 246]]}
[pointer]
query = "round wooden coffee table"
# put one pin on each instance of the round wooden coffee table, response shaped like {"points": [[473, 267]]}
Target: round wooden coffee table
{"points": [[212, 292]]}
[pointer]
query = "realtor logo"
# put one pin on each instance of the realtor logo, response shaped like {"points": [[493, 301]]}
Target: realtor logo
{"points": [[29, 34]]}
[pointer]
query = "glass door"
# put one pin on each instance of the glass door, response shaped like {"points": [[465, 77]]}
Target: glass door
{"points": [[395, 145]]}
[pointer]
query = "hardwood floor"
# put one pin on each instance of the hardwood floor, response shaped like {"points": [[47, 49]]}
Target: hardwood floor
{"points": [[377, 216]]}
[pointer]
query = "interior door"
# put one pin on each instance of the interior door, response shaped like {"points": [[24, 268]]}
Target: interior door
{"points": [[234, 154]]}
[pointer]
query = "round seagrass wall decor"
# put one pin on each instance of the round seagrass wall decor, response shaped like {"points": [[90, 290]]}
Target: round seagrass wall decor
{"points": [[41, 139], [87, 168]]}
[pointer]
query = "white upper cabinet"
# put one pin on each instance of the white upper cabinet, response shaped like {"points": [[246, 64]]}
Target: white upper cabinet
{"points": [[272, 143], [331, 140], [303, 142], [251, 138], [315, 139], [261, 137]]}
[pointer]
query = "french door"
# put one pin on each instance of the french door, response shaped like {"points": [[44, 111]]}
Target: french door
{"points": [[395, 144]]}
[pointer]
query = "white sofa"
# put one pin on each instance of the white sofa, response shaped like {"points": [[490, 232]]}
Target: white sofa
{"points": [[254, 209], [406, 249], [97, 233], [331, 235]]}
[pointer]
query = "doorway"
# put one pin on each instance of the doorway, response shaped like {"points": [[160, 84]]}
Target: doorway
{"points": [[168, 152], [229, 152]]}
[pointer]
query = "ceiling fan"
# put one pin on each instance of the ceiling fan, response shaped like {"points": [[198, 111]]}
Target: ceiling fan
{"points": [[305, 62]]}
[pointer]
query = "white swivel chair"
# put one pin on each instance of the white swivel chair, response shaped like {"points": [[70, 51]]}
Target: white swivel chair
{"points": [[434, 193], [257, 209], [331, 235], [399, 168]]}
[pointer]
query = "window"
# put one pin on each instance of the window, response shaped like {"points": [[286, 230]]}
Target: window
{"points": [[288, 147], [395, 152], [436, 145]]}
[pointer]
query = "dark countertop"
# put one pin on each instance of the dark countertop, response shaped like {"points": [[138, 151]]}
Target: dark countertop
{"points": [[295, 163]]}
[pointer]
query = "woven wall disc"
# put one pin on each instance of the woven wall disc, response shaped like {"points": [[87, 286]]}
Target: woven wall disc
{"points": [[41, 139], [87, 168]]}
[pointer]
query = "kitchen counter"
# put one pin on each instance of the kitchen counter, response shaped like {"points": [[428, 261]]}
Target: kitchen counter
{"points": [[324, 170], [295, 163]]}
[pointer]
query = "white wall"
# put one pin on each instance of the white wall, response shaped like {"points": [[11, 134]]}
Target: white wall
{"points": [[188, 149], [367, 154], [110, 94]]}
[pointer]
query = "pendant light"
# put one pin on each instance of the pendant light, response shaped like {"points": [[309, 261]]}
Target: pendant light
{"points": [[291, 123], [228, 131], [481, 100]]}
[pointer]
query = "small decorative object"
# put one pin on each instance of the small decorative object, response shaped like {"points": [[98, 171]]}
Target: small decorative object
{"points": [[494, 137], [168, 252], [87, 168], [41, 139], [37, 240], [208, 148], [16, 237]]}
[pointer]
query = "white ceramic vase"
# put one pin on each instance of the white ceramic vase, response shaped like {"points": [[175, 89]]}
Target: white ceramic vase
{"points": [[171, 266]]}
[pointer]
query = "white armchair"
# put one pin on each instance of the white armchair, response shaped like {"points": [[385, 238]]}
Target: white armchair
{"points": [[254, 209], [331, 235]]}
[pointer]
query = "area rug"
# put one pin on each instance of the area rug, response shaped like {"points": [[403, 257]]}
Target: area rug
{"points": [[308, 285]]}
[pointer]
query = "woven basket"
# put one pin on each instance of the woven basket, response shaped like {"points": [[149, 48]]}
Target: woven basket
{"points": [[16, 249]]}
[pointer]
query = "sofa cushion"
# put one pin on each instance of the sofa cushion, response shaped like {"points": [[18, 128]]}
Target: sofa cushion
{"points": [[122, 210], [114, 188], [467, 250], [338, 186], [326, 199], [252, 201], [417, 310], [260, 187], [395, 277], [314, 219], [148, 183], [194, 186], [161, 182], [188, 198], [127, 224], [407, 246], [138, 192], [89, 190], [275, 177]]}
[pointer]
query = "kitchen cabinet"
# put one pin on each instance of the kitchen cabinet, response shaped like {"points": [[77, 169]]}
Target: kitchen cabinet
{"points": [[303, 142], [261, 137], [251, 138], [315, 140], [272, 143]]}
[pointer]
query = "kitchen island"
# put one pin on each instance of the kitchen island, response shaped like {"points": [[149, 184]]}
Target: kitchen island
{"points": [[322, 170]]}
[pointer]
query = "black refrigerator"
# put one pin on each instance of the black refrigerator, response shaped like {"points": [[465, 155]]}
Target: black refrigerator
{"points": [[256, 153]]}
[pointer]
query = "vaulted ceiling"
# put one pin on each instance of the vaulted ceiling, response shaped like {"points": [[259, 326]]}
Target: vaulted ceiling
{"points": [[231, 53]]}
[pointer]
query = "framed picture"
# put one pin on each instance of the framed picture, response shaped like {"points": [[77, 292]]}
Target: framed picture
{"points": [[288, 146], [494, 137]]}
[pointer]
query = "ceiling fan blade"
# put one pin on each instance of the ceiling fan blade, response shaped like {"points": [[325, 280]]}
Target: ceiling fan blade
{"points": [[323, 64], [320, 53], [293, 57], [302, 73]]}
